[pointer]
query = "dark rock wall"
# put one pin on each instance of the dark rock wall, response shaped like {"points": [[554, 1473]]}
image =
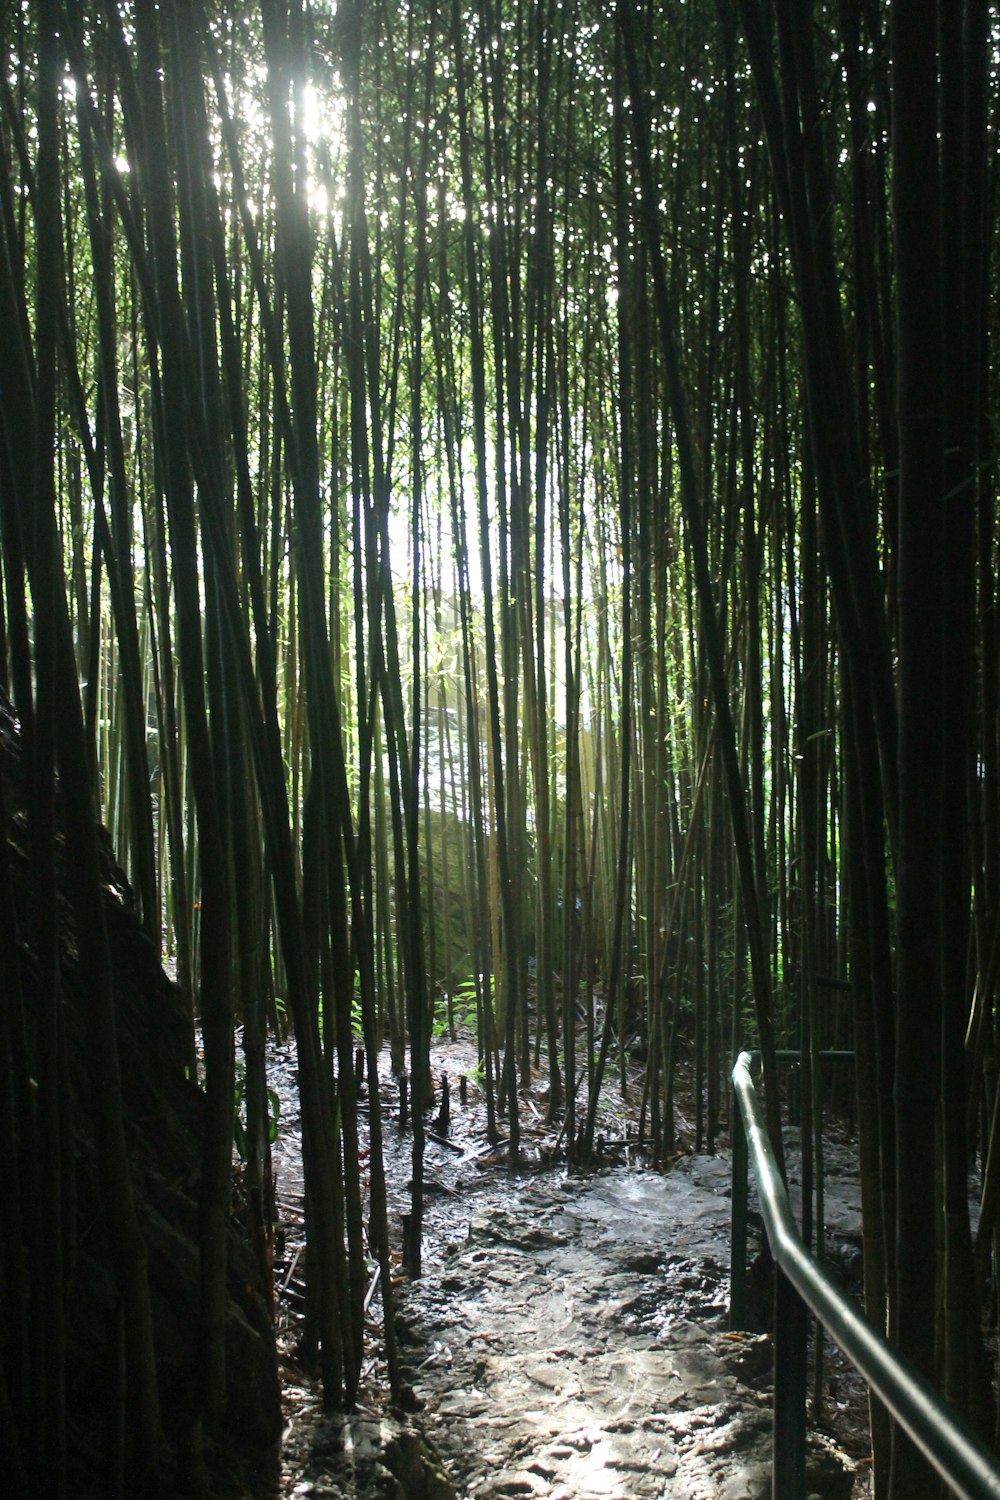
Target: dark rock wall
{"points": [[163, 1112]]}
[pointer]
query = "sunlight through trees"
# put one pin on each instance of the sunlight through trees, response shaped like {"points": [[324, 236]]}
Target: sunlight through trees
{"points": [[498, 516]]}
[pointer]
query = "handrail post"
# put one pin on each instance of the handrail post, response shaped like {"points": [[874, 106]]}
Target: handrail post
{"points": [[967, 1464], [738, 1218], [791, 1332]]}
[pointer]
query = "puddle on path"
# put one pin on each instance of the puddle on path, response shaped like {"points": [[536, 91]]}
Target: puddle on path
{"points": [[567, 1341]]}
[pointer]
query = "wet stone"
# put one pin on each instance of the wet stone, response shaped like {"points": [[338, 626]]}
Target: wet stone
{"points": [[552, 1376], [598, 1315], [568, 1340], [516, 1483], [750, 1357], [458, 1404], [513, 1229]]}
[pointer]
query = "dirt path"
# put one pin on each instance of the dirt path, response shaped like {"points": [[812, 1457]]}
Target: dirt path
{"points": [[573, 1347], [568, 1342]]}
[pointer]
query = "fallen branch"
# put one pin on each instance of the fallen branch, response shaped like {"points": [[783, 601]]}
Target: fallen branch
{"points": [[443, 1140]]}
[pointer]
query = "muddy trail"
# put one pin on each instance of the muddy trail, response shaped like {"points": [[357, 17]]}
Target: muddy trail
{"points": [[567, 1339]]}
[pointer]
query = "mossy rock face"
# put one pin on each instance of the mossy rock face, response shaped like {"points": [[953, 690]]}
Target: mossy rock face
{"points": [[164, 1118]]}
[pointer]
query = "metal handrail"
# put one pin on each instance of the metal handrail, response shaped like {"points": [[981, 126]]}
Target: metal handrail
{"points": [[960, 1457]]}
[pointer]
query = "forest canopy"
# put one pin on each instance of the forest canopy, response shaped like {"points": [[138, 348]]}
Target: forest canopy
{"points": [[498, 520]]}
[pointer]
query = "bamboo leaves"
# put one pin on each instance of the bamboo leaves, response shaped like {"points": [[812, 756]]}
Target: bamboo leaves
{"points": [[467, 444]]}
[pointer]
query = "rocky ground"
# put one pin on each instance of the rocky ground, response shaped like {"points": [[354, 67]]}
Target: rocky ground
{"points": [[567, 1340]]}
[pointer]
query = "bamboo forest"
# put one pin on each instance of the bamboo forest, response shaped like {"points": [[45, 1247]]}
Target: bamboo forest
{"points": [[500, 547]]}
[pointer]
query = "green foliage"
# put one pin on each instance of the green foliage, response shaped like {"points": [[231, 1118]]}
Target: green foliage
{"points": [[446, 897], [464, 1008], [239, 1117], [477, 1074], [357, 1024]]}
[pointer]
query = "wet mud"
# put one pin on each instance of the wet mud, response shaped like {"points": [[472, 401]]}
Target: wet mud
{"points": [[568, 1339]]}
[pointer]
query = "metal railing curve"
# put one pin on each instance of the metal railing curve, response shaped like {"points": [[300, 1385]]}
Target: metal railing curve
{"points": [[958, 1454]]}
